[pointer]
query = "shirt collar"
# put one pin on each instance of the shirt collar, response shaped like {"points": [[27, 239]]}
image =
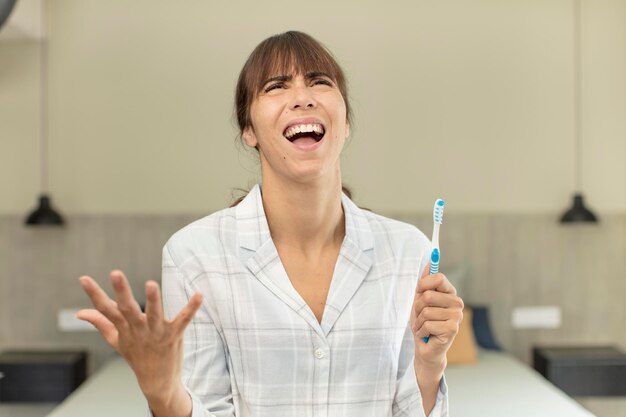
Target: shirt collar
{"points": [[253, 229]]}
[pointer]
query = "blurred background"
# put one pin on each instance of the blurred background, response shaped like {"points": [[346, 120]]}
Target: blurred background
{"points": [[473, 102]]}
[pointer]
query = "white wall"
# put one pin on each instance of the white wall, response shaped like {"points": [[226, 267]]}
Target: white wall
{"points": [[472, 101]]}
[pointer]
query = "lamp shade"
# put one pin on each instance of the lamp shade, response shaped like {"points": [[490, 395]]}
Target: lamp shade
{"points": [[5, 9], [579, 213], [44, 214]]}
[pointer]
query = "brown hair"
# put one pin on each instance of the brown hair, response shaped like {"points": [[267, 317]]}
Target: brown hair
{"points": [[282, 54]]}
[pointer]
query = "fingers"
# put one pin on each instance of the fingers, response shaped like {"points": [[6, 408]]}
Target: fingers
{"points": [[426, 271], [437, 310], [126, 314], [437, 282], [102, 302], [433, 298], [102, 324], [436, 314], [154, 308], [125, 301], [186, 314], [445, 331]]}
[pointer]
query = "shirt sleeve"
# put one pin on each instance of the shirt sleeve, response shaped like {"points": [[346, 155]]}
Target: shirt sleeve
{"points": [[408, 399], [205, 372]]}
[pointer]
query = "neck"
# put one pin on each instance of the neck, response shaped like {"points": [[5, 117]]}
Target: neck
{"points": [[304, 217]]}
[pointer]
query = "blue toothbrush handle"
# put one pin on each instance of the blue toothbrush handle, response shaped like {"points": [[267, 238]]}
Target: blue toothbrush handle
{"points": [[434, 261], [434, 268]]}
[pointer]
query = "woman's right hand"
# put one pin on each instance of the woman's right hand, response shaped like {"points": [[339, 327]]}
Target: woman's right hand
{"points": [[151, 345]]}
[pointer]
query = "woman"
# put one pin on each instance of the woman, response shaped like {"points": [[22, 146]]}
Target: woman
{"points": [[301, 301]]}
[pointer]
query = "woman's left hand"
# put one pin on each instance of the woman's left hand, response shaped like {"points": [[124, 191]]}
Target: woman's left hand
{"points": [[437, 312]]}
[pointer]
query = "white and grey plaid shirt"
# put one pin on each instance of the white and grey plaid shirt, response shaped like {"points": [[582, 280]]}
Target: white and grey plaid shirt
{"points": [[255, 348]]}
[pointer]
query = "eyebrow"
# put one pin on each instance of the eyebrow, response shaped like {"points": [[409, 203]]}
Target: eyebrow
{"points": [[277, 78], [316, 74]]}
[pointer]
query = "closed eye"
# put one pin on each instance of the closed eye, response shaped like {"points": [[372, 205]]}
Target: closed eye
{"points": [[273, 87], [315, 81], [322, 81]]}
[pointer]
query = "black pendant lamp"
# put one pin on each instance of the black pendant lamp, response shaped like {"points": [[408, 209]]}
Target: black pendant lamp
{"points": [[44, 214], [6, 6], [578, 213]]}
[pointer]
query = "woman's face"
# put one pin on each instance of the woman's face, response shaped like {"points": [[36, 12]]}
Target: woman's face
{"points": [[298, 122]]}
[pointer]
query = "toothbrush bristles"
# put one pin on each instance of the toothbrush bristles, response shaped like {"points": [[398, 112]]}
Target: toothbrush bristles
{"points": [[438, 211]]}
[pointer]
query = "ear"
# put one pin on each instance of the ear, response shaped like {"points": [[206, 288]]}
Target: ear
{"points": [[249, 137]]}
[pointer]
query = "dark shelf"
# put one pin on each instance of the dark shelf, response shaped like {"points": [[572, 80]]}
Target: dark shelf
{"points": [[583, 370], [41, 376]]}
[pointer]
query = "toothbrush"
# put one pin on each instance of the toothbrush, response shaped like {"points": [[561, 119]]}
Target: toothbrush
{"points": [[435, 256]]}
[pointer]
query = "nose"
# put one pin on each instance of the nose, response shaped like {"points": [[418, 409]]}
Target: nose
{"points": [[302, 98]]}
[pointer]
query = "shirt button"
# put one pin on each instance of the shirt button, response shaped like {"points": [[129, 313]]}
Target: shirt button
{"points": [[319, 353]]}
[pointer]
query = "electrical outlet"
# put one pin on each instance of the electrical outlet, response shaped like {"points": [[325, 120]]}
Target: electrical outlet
{"points": [[67, 321], [536, 317]]}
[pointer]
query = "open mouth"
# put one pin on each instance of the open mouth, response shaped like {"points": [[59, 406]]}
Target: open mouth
{"points": [[305, 133]]}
